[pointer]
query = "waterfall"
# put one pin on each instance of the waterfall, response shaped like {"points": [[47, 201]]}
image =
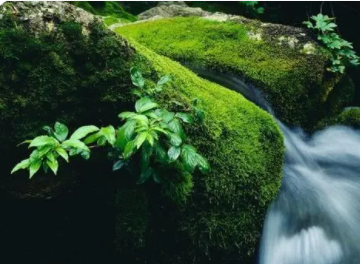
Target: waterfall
{"points": [[315, 218]]}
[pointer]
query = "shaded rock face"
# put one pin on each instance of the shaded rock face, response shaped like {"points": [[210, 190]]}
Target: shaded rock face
{"points": [[43, 15], [170, 10]]}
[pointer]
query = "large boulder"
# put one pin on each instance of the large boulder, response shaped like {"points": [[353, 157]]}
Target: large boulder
{"points": [[60, 63], [284, 62]]}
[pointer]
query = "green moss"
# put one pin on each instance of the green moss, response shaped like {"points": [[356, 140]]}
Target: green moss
{"points": [[350, 117], [296, 84], [106, 8], [84, 79], [110, 20], [245, 149]]}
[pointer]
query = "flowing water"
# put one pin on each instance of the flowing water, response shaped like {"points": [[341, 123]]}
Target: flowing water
{"points": [[315, 218]]}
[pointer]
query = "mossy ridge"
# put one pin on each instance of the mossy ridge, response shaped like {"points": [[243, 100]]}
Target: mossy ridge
{"points": [[245, 149], [296, 84]]}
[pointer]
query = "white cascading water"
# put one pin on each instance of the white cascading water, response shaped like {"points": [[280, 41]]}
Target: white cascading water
{"points": [[315, 218]]}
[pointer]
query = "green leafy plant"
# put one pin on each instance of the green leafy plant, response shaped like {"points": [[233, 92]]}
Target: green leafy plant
{"points": [[151, 135], [251, 7], [342, 50]]}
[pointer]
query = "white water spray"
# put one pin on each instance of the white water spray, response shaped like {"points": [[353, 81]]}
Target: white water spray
{"points": [[315, 218]]}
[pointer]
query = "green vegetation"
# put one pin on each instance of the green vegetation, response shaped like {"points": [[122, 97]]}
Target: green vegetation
{"points": [[252, 8], [143, 131], [349, 117], [112, 10], [81, 77], [295, 83], [341, 50]]}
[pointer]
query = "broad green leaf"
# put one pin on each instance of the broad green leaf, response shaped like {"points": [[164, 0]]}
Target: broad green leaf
{"points": [[139, 140], [136, 77], [189, 158], [125, 134], [101, 141], [61, 131], [126, 115], [165, 115], [44, 150], [42, 141], [204, 165], [174, 153], [150, 139], [144, 104], [92, 138], [175, 139], [50, 157], [34, 167], [74, 143], [53, 165], [83, 131], [118, 165], [164, 79], [130, 148], [34, 155], [21, 165], [142, 119], [185, 117], [63, 153], [109, 134], [176, 127]]}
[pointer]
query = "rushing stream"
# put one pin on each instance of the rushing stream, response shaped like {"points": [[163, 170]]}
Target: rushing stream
{"points": [[315, 218]]}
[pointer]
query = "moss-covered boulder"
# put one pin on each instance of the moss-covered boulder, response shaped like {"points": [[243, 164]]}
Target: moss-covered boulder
{"points": [[284, 62], [349, 117], [52, 68]]}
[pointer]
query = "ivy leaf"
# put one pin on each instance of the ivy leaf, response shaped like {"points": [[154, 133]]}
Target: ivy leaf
{"points": [[53, 165], [42, 141], [61, 131], [186, 118], [34, 167], [174, 153], [118, 165], [63, 154], [137, 78], [83, 131], [21, 165], [144, 104]]}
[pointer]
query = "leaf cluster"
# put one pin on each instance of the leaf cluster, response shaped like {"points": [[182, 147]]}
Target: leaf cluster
{"points": [[152, 133], [342, 50]]}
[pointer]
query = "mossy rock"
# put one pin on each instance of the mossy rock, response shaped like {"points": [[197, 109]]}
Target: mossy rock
{"points": [[283, 62], [349, 117], [78, 73]]}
